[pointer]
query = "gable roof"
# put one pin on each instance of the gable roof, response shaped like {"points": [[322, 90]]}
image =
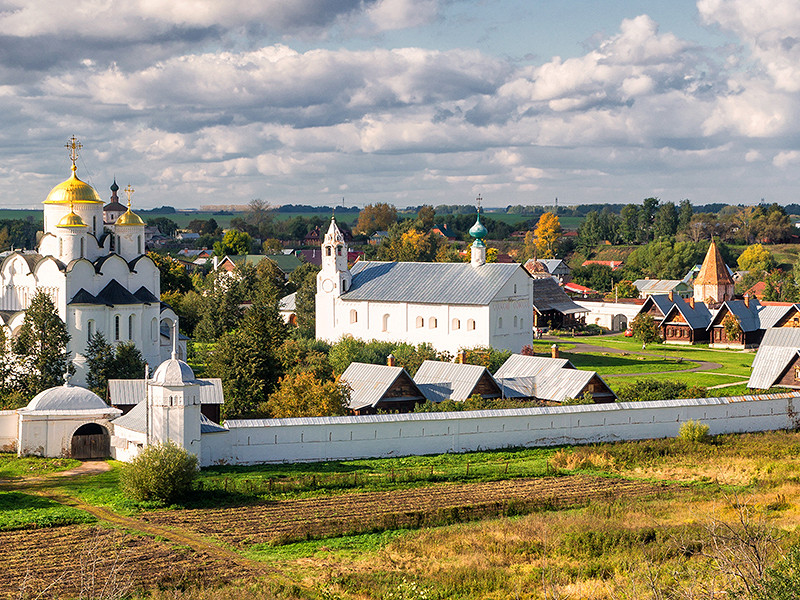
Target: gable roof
{"points": [[145, 295], [778, 348], [548, 295], [288, 303], [369, 383], [552, 264], [439, 380], [429, 283], [660, 301], [698, 317], [124, 392], [519, 365], [660, 286], [114, 294], [757, 316]]}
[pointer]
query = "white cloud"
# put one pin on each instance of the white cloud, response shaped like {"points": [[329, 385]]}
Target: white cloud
{"points": [[785, 159], [401, 14]]}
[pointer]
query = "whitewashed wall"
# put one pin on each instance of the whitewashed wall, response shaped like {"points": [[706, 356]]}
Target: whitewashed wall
{"points": [[8, 430], [603, 313], [341, 438]]}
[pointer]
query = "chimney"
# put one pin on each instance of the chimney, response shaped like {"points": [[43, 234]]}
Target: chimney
{"points": [[554, 351], [691, 302], [461, 357], [747, 300], [390, 360], [672, 295]]}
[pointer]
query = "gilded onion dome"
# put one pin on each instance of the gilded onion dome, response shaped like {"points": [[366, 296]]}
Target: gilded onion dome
{"points": [[73, 190], [71, 219], [129, 218]]}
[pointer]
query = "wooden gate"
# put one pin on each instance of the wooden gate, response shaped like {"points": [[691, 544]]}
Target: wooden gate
{"points": [[90, 441]]}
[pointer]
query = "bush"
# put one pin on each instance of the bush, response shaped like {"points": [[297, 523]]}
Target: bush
{"points": [[164, 472], [643, 390], [694, 431]]}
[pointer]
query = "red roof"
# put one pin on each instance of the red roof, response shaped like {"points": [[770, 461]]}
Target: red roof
{"points": [[614, 264], [578, 289], [757, 290]]}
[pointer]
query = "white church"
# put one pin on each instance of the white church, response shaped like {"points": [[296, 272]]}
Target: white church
{"points": [[95, 270], [449, 305]]}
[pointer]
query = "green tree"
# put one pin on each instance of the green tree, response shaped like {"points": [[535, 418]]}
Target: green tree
{"points": [[221, 310], [665, 223], [781, 287], [647, 215], [247, 360], [42, 345], [623, 289], [305, 354], [174, 276], [685, 213], [629, 224], [304, 280], [109, 362], [590, 232], [303, 395], [166, 226], [426, 218], [234, 242], [645, 329]]}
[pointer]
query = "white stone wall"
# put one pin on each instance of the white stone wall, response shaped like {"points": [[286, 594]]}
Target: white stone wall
{"points": [[51, 435], [8, 430], [602, 313], [342, 438]]}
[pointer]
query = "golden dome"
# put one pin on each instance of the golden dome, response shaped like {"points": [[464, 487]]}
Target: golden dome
{"points": [[71, 220], [129, 218], [73, 190]]}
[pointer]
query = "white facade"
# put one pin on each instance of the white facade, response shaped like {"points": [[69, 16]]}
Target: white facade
{"points": [[614, 316], [502, 319], [98, 277]]}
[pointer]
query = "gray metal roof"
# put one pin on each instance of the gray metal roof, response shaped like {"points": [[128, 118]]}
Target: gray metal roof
{"points": [[507, 412], [662, 301], [288, 303], [66, 397], [552, 264], [136, 420], [125, 392], [542, 377], [768, 316], [548, 295], [439, 380], [519, 365], [429, 283], [698, 317], [368, 383], [778, 348], [659, 286]]}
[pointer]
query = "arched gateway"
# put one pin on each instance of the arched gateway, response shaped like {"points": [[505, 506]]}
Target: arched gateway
{"points": [[90, 441]]}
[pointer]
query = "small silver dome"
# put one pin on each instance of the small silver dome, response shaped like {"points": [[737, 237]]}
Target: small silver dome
{"points": [[66, 397], [174, 372]]}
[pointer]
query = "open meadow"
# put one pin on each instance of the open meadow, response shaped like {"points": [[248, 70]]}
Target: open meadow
{"points": [[607, 521]]}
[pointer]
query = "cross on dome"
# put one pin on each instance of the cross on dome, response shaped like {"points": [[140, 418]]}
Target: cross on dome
{"points": [[129, 191], [74, 146]]}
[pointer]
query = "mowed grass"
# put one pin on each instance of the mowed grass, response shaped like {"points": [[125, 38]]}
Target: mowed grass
{"points": [[611, 364], [11, 466], [19, 510]]}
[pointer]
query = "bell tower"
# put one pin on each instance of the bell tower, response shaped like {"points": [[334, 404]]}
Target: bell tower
{"points": [[333, 280]]}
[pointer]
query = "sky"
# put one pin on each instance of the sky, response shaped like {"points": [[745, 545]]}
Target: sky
{"points": [[322, 102]]}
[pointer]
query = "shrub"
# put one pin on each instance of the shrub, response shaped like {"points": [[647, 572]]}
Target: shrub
{"points": [[694, 431], [643, 390], [164, 472]]}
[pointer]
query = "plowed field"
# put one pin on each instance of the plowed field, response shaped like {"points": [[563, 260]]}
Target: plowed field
{"points": [[318, 517], [80, 561]]}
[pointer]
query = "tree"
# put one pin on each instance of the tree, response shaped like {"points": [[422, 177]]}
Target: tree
{"points": [[221, 305], [647, 215], [623, 289], [234, 242], [166, 226], [42, 342], [685, 213], [528, 247], [303, 395], [271, 246], [407, 243], [590, 232], [645, 329], [781, 287], [108, 362], [426, 217], [304, 279], [375, 217], [246, 360], [629, 224], [547, 232], [732, 327], [665, 223], [174, 276]]}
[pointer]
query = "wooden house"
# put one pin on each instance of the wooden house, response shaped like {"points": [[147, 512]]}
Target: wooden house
{"points": [[686, 322], [553, 308], [440, 380], [381, 387], [777, 361], [753, 318]]}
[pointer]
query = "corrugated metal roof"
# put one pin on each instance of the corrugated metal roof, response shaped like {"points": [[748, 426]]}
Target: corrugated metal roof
{"points": [[368, 382], [543, 377], [429, 283], [768, 316], [548, 295], [519, 365], [659, 286], [208, 426], [507, 412], [288, 303], [698, 317], [440, 380], [136, 420], [778, 348], [125, 392]]}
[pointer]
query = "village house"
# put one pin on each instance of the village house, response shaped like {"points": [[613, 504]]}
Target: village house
{"points": [[685, 322], [777, 361], [439, 380], [553, 308], [376, 388]]}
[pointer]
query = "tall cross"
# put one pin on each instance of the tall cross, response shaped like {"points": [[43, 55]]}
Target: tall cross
{"points": [[129, 191], [74, 146]]}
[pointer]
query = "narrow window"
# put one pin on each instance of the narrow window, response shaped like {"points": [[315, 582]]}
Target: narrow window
{"points": [[500, 322], [89, 329], [432, 323], [60, 247], [385, 322], [515, 288], [353, 316], [470, 324], [82, 247], [139, 243], [338, 250], [515, 322], [328, 251], [420, 322], [522, 323], [153, 329], [456, 324], [94, 225], [116, 327], [130, 327]]}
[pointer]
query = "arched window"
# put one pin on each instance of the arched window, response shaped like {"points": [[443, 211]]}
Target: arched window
{"points": [[456, 324], [385, 323], [116, 327], [139, 244], [89, 329], [60, 247], [344, 285], [470, 324], [432, 323], [499, 322], [130, 326], [515, 322], [353, 316], [154, 329], [94, 224], [515, 288], [420, 322], [522, 323], [328, 251], [83, 250]]}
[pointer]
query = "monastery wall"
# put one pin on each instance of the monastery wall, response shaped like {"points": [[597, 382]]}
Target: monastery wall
{"points": [[8, 430], [342, 438]]}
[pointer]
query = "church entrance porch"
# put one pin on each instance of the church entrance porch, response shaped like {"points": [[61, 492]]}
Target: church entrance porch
{"points": [[90, 441]]}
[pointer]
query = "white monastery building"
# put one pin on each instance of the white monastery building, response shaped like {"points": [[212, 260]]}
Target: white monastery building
{"points": [[449, 305], [96, 274]]}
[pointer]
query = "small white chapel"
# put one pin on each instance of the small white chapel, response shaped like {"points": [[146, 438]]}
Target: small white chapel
{"points": [[449, 305]]}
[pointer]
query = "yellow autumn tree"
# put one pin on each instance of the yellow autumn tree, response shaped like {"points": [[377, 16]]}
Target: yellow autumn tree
{"points": [[547, 233], [303, 395], [528, 246], [375, 217]]}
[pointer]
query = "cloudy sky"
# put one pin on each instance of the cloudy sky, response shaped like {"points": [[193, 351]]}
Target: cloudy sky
{"points": [[198, 102]]}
